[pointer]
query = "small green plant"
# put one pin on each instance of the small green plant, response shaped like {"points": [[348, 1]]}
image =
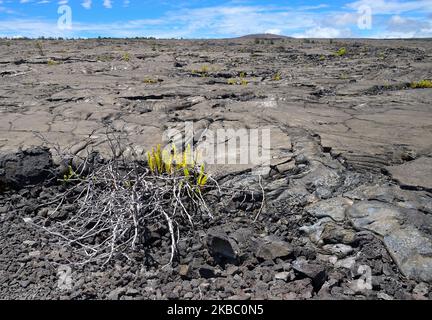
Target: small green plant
{"points": [[243, 80], [69, 175], [277, 77], [204, 71], [126, 57], [163, 162], [39, 46], [150, 81], [52, 62], [423, 84], [322, 58], [104, 58], [341, 52]]}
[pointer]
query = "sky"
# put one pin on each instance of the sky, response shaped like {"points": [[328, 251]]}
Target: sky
{"points": [[216, 18]]}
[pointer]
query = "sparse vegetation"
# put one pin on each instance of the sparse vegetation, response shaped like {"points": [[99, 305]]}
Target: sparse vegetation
{"points": [[104, 58], [126, 57], [39, 46], [163, 162], [69, 175], [52, 62], [122, 198], [150, 81], [341, 52], [277, 77], [240, 81], [423, 84], [203, 71]]}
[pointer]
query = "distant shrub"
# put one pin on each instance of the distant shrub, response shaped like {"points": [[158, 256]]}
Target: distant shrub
{"points": [[162, 162], [51, 62], [423, 84], [341, 52], [277, 77], [39, 46], [126, 57], [150, 81]]}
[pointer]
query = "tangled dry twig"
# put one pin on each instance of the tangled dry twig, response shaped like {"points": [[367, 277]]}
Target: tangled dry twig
{"points": [[115, 203], [117, 200]]}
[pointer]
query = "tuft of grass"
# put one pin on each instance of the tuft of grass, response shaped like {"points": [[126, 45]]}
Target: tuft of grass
{"points": [[240, 81], [423, 84], [69, 175], [277, 77], [182, 164], [39, 46], [150, 81], [203, 71], [104, 58], [126, 57], [341, 52], [52, 62]]}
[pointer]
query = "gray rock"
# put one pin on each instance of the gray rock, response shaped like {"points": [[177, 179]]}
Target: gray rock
{"points": [[375, 216], [314, 271], [116, 293], [184, 271], [340, 250], [282, 276], [207, 272], [412, 252], [25, 168], [347, 263], [334, 208], [421, 289], [272, 248], [30, 243], [384, 296], [415, 173], [132, 292], [223, 247], [34, 254], [410, 249]]}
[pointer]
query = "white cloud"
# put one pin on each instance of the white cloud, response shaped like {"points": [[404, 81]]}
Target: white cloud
{"points": [[107, 4], [239, 19], [87, 4], [273, 31], [392, 6], [323, 32]]}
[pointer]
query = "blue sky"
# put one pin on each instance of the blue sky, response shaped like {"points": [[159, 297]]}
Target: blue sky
{"points": [[217, 19]]}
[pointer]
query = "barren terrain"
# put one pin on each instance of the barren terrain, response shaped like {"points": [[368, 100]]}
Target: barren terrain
{"points": [[347, 206]]}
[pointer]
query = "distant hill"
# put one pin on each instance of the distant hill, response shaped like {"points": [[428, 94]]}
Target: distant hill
{"points": [[263, 36]]}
